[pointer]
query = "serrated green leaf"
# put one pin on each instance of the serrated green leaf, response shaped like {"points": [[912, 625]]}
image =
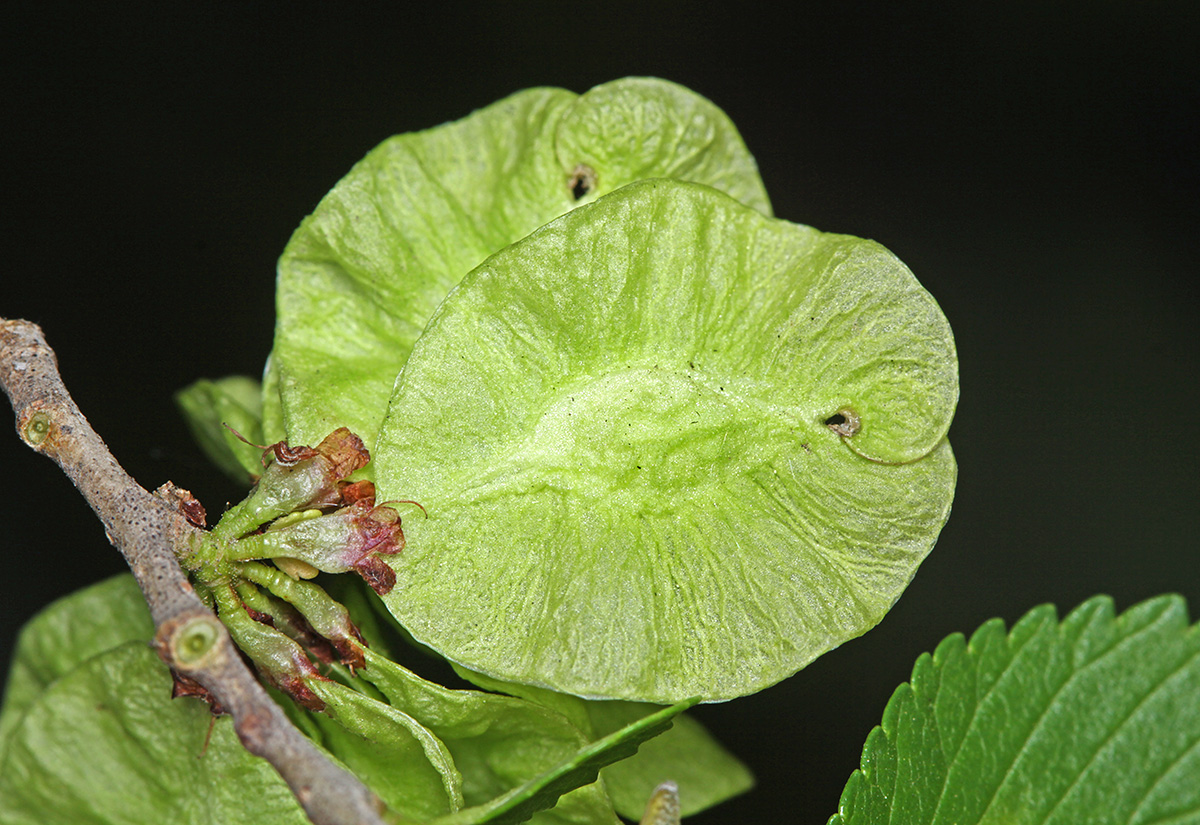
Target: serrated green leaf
{"points": [[364, 272], [1095, 720], [106, 744], [616, 426], [236, 401], [68, 632], [581, 769]]}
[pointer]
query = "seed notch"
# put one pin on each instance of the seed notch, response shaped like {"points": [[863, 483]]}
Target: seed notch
{"points": [[845, 422], [582, 181]]}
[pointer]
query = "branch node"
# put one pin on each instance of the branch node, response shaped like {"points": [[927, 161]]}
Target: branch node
{"points": [[35, 427], [193, 641]]}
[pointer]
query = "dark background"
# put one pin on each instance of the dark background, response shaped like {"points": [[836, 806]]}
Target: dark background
{"points": [[1035, 164]]}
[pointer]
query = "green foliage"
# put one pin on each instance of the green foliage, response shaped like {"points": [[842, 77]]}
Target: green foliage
{"points": [[214, 410], [686, 754], [581, 769], [1092, 720], [85, 689], [396, 756], [506, 741], [52, 643], [88, 732], [104, 743], [670, 449]]}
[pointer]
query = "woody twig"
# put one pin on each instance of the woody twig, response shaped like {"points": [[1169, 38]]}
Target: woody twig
{"points": [[146, 528]]}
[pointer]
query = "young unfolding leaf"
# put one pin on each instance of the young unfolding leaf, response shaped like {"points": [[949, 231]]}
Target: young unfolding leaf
{"points": [[497, 742], [618, 428], [212, 408], [105, 743], [512, 739], [703, 772], [543, 791], [687, 754], [397, 757], [364, 272], [1092, 720]]}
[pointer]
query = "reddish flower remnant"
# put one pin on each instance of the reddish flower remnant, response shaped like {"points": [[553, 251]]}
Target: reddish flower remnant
{"points": [[300, 478], [285, 455], [352, 538], [349, 647], [374, 531], [337, 456], [377, 574], [188, 504], [357, 491], [341, 445]]}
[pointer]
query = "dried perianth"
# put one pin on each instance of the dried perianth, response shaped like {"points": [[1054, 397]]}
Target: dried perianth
{"points": [[146, 528]]}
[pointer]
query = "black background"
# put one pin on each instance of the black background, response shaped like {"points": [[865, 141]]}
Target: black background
{"points": [[1036, 165]]}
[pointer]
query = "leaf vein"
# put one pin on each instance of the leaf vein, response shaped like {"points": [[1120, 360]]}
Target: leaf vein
{"points": [[1149, 790], [1121, 726], [1075, 674], [974, 718]]}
